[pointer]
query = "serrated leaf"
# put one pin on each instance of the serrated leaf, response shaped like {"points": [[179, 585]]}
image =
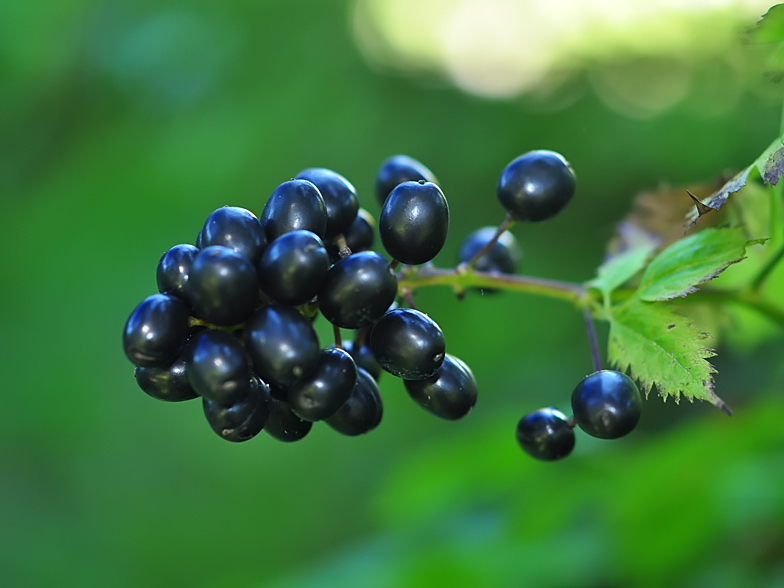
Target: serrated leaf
{"points": [[621, 268], [664, 350], [677, 270]]}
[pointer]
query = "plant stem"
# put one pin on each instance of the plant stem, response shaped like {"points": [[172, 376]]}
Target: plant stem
{"points": [[461, 278], [592, 340], [508, 222], [764, 271]]}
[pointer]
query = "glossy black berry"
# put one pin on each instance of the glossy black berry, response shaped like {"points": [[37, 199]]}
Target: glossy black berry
{"points": [[217, 366], [168, 383], [293, 206], [408, 344], [283, 424], [320, 394], [536, 185], [223, 287], [398, 169], [502, 257], [340, 198], [414, 222], [174, 268], [359, 236], [358, 290], [155, 331], [450, 393], [607, 404], [545, 434], [363, 410], [237, 229], [243, 419], [281, 343], [293, 267]]}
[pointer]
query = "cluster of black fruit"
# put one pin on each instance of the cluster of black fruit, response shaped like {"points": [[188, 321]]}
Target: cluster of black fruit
{"points": [[232, 321]]}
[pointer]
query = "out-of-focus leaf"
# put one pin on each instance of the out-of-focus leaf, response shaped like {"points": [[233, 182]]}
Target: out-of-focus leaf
{"points": [[619, 269], [677, 270], [770, 28], [662, 349]]}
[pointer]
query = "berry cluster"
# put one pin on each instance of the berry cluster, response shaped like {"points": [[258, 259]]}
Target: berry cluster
{"points": [[232, 322]]}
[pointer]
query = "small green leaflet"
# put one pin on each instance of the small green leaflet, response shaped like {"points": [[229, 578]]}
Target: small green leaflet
{"points": [[677, 270], [621, 268], [664, 350]]}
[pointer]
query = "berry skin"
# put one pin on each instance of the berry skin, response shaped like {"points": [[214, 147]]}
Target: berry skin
{"points": [[166, 383], [362, 412], [450, 393], [398, 169], [217, 367], [607, 404], [536, 186], [294, 205], [223, 286], [293, 267], [237, 229], [320, 395], [358, 290], [281, 343], [414, 222], [408, 344], [245, 418], [340, 198], [173, 270], [364, 358], [545, 434], [155, 331], [502, 257], [283, 424]]}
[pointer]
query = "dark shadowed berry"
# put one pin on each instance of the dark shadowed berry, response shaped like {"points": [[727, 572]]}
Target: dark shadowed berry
{"points": [[340, 198], [243, 419], [363, 410], [293, 267], [284, 425], [217, 366], [502, 257], [398, 169], [168, 383], [320, 394], [545, 434]]}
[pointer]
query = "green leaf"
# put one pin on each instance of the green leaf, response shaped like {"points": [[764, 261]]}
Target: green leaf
{"points": [[696, 259], [664, 350], [770, 29], [621, 268]]}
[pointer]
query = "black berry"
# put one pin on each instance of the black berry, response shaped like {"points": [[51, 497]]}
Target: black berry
{"points": [[237, 229], [293, 267], [155, 331], [536, 186], [363, 410], [607, 404], [294, 205], [398, 169], [545, 434], [408, 344], [450, 393], [340, 198], [319, 395]]}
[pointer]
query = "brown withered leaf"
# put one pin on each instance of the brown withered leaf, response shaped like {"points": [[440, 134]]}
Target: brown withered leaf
{"points": [[718, 198], [657, 216]]}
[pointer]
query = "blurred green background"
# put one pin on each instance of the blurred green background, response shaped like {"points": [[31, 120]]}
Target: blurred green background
{"points": [[124, 123]]}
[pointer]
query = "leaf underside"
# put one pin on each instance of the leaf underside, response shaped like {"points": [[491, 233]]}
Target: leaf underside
{"points": [[662, 350]]}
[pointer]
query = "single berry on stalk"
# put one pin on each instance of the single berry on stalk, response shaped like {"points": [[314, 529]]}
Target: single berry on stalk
{"points": [[414, 222], [545, 434], [398, 169], [607, 404], [408, 344], [536, 186], [450, 393], [155, 331]]}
